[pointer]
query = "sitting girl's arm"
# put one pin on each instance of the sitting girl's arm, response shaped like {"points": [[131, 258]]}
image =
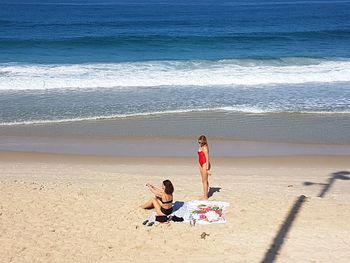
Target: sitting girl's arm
{"points": [[158, 192]]}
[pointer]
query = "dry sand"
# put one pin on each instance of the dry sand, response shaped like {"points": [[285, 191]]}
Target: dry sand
{"points": [[69, 208]]}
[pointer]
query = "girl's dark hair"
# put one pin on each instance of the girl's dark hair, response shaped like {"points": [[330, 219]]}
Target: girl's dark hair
{"points": [[203, 140], [169, 188]]}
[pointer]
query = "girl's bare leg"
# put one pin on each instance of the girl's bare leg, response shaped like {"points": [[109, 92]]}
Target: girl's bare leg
{"points": [[205, 182], [157, 206], [153, 203], [148, 204]]}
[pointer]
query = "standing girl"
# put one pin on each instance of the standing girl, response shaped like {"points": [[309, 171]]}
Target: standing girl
{"points": [[204, 164]]}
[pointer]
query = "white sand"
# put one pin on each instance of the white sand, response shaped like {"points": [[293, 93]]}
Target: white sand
{"points": [[61, 208]]}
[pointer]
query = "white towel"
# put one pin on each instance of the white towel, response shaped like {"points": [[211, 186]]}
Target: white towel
{"points": [[204, 212]]}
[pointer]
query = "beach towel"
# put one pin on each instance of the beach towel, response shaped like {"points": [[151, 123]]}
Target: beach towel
{"points": [[203, 212], [196, 212]]}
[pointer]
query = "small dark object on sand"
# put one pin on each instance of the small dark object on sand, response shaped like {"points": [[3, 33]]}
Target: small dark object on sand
{"points": [[162, 219], [203, 235], [147, 223], [290, 185]]}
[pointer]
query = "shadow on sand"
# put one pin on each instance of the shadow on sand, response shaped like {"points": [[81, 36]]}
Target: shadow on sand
{"points": [[278, 241], [342, 175], [178, 204], [213, 190]]}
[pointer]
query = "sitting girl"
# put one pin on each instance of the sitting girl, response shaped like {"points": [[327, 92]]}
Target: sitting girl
{"points": [[162, 202]]}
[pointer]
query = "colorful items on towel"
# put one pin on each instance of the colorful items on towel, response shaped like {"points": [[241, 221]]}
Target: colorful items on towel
{"points": [[207, 212]]}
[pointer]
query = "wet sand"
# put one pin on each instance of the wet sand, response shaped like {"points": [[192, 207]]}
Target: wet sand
{"points": [[162, 146], [265, 127]]}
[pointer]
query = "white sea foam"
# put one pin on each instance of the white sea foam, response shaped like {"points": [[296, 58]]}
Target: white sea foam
{"points": [[116, 116], [173, 73], [241, 109]]}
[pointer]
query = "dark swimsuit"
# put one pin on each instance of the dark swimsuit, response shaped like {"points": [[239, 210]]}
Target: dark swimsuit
{"points": [[166, 211]]}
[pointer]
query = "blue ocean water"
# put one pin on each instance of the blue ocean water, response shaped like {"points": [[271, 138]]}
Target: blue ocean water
{"points": [[90, 59]]}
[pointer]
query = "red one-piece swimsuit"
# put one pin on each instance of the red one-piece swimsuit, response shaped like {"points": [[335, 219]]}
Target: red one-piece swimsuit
{"points": [[201, 158]]}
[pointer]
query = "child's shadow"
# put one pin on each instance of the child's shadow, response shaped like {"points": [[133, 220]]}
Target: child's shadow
{"points": [[213, 190], [178, 204]]}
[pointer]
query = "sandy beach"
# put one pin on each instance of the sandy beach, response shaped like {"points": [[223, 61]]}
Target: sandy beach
{"points": [[100, 98], [73, 208]]}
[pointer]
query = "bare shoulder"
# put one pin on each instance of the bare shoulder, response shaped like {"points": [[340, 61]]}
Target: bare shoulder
{"points": [[166, 197], [205, 148]]}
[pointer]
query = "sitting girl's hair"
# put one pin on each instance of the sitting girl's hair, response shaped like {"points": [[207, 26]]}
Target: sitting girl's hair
{"points": [[169, 188]]}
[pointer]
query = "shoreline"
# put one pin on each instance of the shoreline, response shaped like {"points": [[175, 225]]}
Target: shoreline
{"points": [[274, 128], [304, 161], [132, 146]]}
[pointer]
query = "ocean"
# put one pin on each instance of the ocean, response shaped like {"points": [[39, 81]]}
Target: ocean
{"points": [[110, 60]]}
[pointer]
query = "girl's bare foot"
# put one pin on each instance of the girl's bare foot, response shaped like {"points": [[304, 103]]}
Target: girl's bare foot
{"points": [[204, 198]]}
